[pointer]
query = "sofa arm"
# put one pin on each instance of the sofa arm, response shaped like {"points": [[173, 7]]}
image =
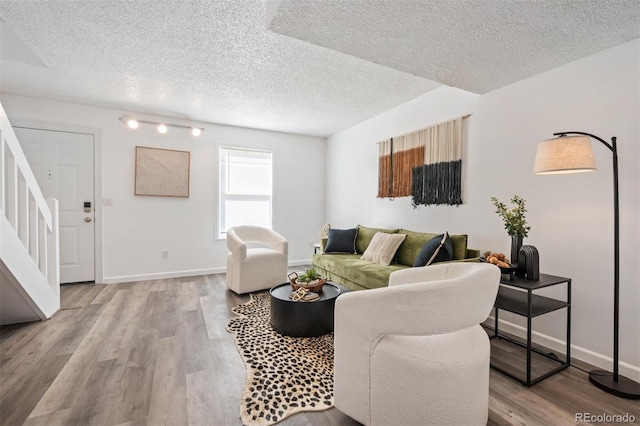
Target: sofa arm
{"points": [[279, 243], [469, 259], [323, 244], [271, 238], [472, 254], [422, 301], [422, 274], [259, 235], [236, 245]]}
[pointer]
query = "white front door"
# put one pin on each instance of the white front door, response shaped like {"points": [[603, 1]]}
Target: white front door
{"points": [[62, 163]]}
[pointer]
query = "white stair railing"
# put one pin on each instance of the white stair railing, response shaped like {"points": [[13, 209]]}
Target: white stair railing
{"points": [[28, 227]]}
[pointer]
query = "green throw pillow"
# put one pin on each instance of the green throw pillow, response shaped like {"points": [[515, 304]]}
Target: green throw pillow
{"points": [[459, 246]]}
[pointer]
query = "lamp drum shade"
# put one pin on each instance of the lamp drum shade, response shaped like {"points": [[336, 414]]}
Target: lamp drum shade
{"points": [[564, 154]]}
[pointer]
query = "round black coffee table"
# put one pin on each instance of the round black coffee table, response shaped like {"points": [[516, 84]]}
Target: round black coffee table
{"points": [[303, 319]]}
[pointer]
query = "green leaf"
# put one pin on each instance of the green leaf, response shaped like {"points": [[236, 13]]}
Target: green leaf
{"points": [[514, 220]]}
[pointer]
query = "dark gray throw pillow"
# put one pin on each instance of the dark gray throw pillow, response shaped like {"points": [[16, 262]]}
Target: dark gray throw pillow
{"points": [[437, 249], [341, 241]]}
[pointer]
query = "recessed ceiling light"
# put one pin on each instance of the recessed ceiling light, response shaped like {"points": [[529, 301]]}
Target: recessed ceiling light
{"points": [[132, 123], [195, 131], [162, 128]]}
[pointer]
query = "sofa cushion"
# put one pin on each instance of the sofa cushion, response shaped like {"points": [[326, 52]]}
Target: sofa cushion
{"points": [[341, 241], [365, 234], [410, 248], [345, 268], [437, 249], [459, 246], [383, 247]]}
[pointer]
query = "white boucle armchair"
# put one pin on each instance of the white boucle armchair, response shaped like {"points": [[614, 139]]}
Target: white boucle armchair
{"points": [[414, 353], [255, 268]]}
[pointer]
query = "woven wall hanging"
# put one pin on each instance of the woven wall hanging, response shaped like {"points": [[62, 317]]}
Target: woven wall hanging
{"points": [[426, 165]]}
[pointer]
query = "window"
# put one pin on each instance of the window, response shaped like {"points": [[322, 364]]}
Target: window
{"points": [[245, 189]]}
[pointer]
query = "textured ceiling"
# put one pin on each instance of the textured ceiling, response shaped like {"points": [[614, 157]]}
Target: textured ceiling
{"points": [[473, 45], [213, 61], [216, 61]]}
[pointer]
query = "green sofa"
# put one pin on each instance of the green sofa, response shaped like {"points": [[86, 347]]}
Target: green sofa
{"points": [[357, 274]]}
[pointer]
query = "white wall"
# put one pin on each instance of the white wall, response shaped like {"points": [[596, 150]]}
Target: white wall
{"points": [[352, 173], [137, 228], [571, 216]]}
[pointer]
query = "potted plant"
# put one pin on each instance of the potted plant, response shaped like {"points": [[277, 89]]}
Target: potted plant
{"points": [[310, 280], [514, 222]]}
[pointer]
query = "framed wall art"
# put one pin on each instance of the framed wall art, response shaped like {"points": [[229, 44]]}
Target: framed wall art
{"points": [[162, 172]]}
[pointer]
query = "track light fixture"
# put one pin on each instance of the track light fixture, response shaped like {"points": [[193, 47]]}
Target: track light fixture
{"points": [[162, 127]]}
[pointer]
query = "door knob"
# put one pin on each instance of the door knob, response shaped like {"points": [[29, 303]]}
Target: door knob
{"points": [[87, 219]]}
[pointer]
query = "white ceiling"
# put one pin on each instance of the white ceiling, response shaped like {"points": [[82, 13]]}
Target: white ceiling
{"points": [[317, 67], [475, 45]]}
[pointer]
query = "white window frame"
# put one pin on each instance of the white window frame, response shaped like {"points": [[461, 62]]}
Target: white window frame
{"points": [[222, 196]]}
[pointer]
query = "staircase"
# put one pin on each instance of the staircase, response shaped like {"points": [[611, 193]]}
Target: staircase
{"points": [[29, 253]]}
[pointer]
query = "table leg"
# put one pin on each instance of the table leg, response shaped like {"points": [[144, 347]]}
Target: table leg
{"points": [[569, 322], [529, 306]]}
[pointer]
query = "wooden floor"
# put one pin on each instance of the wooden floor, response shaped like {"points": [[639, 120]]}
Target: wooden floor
{"points": [[157, 353]]}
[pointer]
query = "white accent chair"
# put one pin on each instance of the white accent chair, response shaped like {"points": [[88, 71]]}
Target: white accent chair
{"points": [[255, 268], [414, 353]]}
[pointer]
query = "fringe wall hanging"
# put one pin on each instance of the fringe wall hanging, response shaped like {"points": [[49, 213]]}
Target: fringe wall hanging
{"points": [[427, 165], [398, 157]]}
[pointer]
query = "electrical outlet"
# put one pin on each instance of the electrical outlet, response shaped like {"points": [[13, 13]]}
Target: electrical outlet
{"points": [[165, 254]]}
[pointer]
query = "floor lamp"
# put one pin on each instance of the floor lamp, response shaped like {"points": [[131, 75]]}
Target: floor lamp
{"points": [[572, 154]]}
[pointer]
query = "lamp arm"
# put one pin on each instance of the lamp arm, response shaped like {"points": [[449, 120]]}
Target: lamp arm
{"points": [[616, 252], [602, 141]]}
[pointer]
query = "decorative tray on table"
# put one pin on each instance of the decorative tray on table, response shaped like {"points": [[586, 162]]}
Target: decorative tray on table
{"points": [[500, 261]]}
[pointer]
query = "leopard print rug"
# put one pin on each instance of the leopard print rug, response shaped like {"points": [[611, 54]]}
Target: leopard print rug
{"points": [[285, 375]]}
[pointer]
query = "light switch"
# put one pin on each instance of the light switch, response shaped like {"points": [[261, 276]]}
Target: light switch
{"points": [[107, 202]]}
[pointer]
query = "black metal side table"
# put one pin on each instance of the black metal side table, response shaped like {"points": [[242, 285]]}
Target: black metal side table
{"points": [[516, 295]]}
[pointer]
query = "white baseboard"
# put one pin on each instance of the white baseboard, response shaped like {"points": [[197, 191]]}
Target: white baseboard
{"points": [[163, 275], [300, 262], [560, 346], [178, 274]]}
